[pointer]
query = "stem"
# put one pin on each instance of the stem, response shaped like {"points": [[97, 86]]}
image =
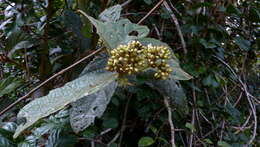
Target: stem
{"points": [[166, 101]]}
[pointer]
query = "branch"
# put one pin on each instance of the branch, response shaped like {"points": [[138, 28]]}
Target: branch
{"points": [[126, 3], [124, 120], [48, 80], [166, 101], [249, 99], [151, 11], [174, 18], [193, 117]]}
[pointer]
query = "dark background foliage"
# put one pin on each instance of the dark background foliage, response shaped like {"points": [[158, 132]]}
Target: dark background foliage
{"points": [[39, 38]]}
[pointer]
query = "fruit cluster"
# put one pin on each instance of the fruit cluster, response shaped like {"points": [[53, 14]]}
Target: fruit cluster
{"points": [[134, 57], [157, 57], [126, 59]]}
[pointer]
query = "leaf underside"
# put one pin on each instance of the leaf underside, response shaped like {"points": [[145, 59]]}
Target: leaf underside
{"points": [[60, 97], [84, 111]]}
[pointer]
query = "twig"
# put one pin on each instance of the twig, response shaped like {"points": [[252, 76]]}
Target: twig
{"points": [[157, 32], [245, 123], [166, 101], [151, 11], [115, 138], [249, 99], [193, 117], [225, 103], [124, 120], [174, 8], [238, 100], [48, 80], [92, 144], [126, 3], [154, 117], [92, 141], [207, 96], [175, 20], [105, 131], [182, 140]]}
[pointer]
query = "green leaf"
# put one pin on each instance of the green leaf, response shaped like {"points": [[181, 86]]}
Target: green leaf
{"points": [[117, 33], [15, 38], [231, 9], [210, 81], [171, 88], [178, 73], [4, 142], [223, 144], [202, 4], [90, 132], [21, 45], [110, 123], [73, 22], [85, 110], [111, 14], [8, 85], [9, 126], [61, 97], [233, 112], [254, 15], [190, 126], [207, 44], [242, 43], [149, 2], [146, 141], [208, 141]]}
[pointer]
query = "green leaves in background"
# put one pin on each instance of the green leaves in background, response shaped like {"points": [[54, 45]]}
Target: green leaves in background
{"points": [[83, 31]]}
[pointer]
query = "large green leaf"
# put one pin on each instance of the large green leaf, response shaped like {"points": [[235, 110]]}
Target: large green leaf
{"points": [[116, 33], [60, 97], [111, 14], [178, 73], [84, 111]]}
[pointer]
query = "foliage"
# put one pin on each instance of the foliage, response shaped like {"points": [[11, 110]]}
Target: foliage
{"points": [[213, 89]]}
